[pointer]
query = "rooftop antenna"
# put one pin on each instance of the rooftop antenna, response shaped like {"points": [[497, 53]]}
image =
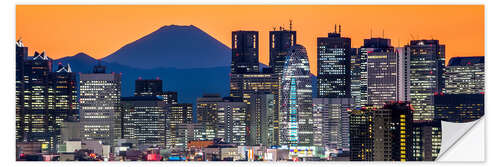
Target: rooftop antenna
{"points": [[340, 28], [335, 28], [382, 33], [290, 24]]}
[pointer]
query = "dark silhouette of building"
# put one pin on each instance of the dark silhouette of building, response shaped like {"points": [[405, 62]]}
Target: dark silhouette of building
{"points": [[361, 134], [245, 52], [334, 66], [148, 87], [280, 41], [458, 107]]}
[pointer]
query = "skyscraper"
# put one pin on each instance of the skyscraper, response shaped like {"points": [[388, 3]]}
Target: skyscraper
{"points": [[296, 117], [148, 87], [143, 119], [242, 86], [382, 70], [465, 75], [361, 134], [426, 75], [426, 140], [383, 134], [334, 66], [176, 115], [245, 52], [380, 47], [21, 56], [44, 99], [262, 111], [280, 41], [100, 94], [331, 122]]}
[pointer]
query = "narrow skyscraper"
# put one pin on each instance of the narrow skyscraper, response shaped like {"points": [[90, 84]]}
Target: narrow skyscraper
{"points": [[426, 75], [334, 66], [280, 41], [245, 52]]}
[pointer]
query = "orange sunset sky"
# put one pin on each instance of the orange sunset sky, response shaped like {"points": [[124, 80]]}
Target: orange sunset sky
{"points": [[99, 30]]}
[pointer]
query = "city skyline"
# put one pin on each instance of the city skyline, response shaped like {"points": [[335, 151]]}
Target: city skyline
{"points": [[423, 22]]}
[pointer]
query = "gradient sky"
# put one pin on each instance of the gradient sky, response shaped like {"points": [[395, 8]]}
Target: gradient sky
{"points": [[99, 30]]}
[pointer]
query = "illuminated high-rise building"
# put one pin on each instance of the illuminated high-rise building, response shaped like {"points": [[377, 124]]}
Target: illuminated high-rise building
{"points": [[426, 140], [224, 118], [392, 132], [280, 41], [44, 99], [382, 70], [295, 116], [21, 56], [331, 122], [176, 115], [427, 59], [261, 121], [373, 46], [334, 66], [144, 119], [356, 77], [170, 97], [242, 86], [100, 94], [361, 134], [245, 52], [383, 134], [465, 75]]}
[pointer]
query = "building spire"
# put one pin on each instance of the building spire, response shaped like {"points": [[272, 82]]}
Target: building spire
{"points": [[340, 28], [335, 28], [290, 24]]}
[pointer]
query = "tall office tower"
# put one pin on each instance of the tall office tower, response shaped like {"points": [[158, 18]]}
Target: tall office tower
{"points": [[382, 81], [21, 56], [392, 132], [100, 94], [48, 99], [148, 87], [245, 52], [295, 116], [458, 107], [177, 114], [64, 98], [403, 56], [262, 109], [280, 41], [232, 122], [426, 140], [382, 134], [35, 116], [426, 75], [465, 75], [170, 97], [356, 76], [334, 66], [361, 134], [242, 86], [143, 119], [206, 112], [373, 46], [331, 122]]}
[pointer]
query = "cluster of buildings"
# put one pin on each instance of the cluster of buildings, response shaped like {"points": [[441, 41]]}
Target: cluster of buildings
{"points": [[376, 102]]}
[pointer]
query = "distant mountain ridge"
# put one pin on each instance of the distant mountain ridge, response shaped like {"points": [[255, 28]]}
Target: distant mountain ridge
{"points": [[173, 46]]}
